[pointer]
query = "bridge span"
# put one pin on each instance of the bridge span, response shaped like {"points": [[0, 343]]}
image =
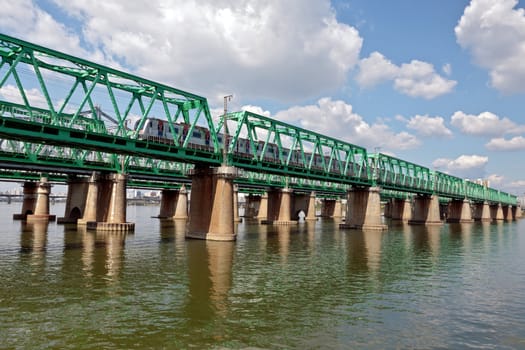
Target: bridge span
{"points": [[101, 131]]}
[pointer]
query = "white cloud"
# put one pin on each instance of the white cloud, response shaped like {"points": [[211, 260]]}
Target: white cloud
{"points": [[465, 166], [495, 179], [429, 126], [500, 144], [415, 79], [419, 79], [484, 124], [275, 49], [447, 69], [494, 33], [375, 69], [337, 119], [12, 94]]}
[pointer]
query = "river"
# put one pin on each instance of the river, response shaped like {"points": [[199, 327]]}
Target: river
{"points": [[307, 286]]}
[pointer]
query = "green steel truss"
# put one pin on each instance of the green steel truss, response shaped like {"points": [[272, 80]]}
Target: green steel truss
{"points": [[62, 112]]}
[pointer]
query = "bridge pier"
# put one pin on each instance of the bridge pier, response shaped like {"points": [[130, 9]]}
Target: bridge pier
{"points": [[507, 213], [387, 209], [363, 210], [28, 202], [459, 211], [426, 211], [496, 212], [42, 202], [517, 212], [105, 208], [252, 205], [310, 213], [75, 202], [236, 217], [482, 211], [338, 209], [327, 208], [211, 204], [262, 214], [280, 207], [401, 210], [174, 204]]}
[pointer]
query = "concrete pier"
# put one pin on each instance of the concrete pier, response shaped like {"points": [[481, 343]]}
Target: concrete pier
{"points": [[507, 213], [426, 211], [211, 204], [401, 209], [262, 215], [252, 205], [181, 208], [280, 207], [310, 213], [482, 212], [327, 208], [517, 212], [168, 201], [459, 211], [28, 202], [338, 209], [364, 209], [76, 200], [236, 217], [92, 201], [106, 204], [496, 212], [42, 202]]}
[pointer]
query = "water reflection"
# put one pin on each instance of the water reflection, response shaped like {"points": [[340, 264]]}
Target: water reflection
{"points": [[210, 280], [33, 240]]}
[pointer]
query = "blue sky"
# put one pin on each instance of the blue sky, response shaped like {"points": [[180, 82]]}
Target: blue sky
{"points": [[439, 83]]}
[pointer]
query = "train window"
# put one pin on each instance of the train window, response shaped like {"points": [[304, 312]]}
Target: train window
{"points": [[219, 139], [197, 134]]}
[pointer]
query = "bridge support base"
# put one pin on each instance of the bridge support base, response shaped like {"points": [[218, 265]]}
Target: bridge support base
{"points": [[364, 210], [507, 213], [174, 204], [517, 212], [459, 211], [211, 204], [252, 206], [106, 205], [496, 212], [310, 214], [42, 203], [426, 211], [482, 212], [28, 202], [280, 208], [75, 202], [401, 210], [262, 214], [236, 217]]}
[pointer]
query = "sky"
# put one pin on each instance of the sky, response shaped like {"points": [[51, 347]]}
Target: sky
{"points": [[437, 83]]}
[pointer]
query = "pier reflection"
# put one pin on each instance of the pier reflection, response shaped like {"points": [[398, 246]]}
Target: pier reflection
{"points": [[33, 240]]}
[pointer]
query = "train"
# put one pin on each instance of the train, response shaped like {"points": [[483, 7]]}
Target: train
{"points": [[158, 130]]}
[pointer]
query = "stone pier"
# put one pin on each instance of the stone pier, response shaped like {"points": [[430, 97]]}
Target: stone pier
{"points": [[211, 204], [310, 213], [28, 202], [174, 204], [364, 209], [459, 211], [401, 210], [262, 214], [338, 209], [328, 208], [496, 212], [507, 213], [106, 204], [76, 200], [251, 207], [280, 207], [426, 211], [42, 202], [236, 217], [482, 212], [517, 212]]}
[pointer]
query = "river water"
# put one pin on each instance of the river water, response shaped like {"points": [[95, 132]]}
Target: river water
{"points": [[310, 286]]}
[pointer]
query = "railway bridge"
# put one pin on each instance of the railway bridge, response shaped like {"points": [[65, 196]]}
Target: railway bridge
{"points": [[101, 130]]}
